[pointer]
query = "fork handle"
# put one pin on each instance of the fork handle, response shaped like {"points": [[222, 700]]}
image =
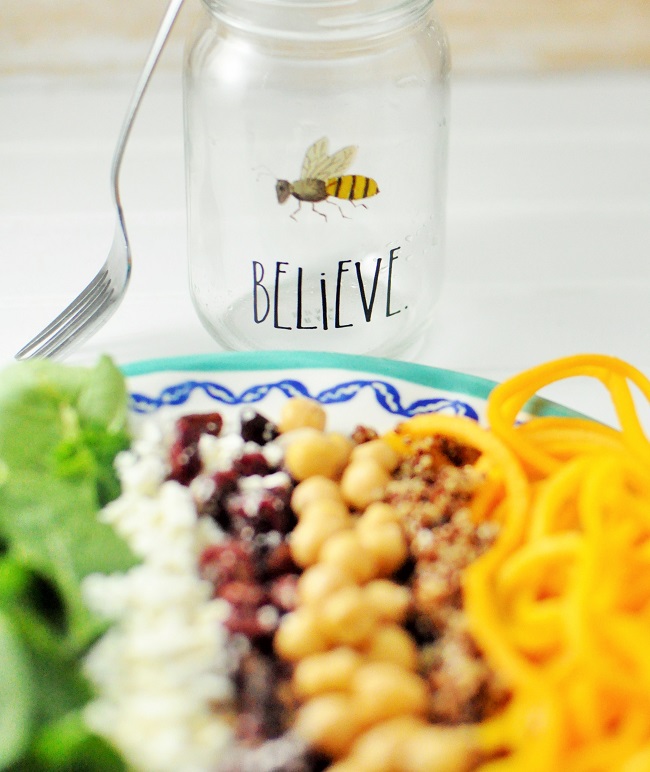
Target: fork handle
{"points": [[154, 54]]}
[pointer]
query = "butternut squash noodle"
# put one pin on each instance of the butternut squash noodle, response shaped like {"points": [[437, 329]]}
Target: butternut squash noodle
{"points": [[560, 604]]}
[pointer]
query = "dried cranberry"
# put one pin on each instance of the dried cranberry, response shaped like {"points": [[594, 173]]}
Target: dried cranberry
{"points": [[225, 483], [282, 490], [228, 562], [249, 730], [252, 463], [260, 714], [273, 514], [243, 594], [276, 510], [257, 428], [240, 509], [249, 613], [284, 593], [273, 560], [289, 521], [260, 510], [184, 457]]}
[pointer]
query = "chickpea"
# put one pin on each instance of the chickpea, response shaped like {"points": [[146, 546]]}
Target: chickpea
{"points": [[299, 636], [344, 549], [378, 513], [321, 580], [379, 451], [391, 601], [383, 690], [312, 453], [328, 723], [299, 412], [342, 445], [440, 749], [315, 488], [391, 643], [326, 509], [363, 482], [379, 749], [331, 671], [387, 545], [346, 618], [309, 536]]}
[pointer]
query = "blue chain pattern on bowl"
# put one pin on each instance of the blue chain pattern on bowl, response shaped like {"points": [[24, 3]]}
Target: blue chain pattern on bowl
{"points": [[386, 394]]}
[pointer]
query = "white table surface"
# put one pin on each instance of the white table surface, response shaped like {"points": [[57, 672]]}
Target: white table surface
{"points": [[548, 228]]}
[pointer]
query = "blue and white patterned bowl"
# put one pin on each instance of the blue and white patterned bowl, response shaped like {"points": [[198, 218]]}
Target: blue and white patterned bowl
{"points": [[355, 390]]}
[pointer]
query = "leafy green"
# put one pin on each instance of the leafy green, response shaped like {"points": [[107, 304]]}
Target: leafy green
{"points": [[60, 429], [16, 698], [67, 745], [43, 403]]}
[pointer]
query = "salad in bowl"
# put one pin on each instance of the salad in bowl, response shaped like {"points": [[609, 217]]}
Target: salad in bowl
{"points": [[456, 582]]}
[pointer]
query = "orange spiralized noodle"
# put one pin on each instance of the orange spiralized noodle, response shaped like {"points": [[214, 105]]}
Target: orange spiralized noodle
{"points": [[509, 398], [560, 604]]}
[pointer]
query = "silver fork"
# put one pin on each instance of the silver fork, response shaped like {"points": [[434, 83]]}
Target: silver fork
{"points": [[98, 301]]}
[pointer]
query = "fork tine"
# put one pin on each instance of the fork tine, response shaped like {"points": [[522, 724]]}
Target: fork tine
{"points": [[82, 299], [80, 326], [82, 323], [96, 287]]}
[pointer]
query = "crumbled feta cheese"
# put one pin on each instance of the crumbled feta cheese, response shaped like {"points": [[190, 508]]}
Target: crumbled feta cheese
{"points": [[218, 453], [207, 533], [202, 487], [273, 453], [162, 668], [256, 483]]}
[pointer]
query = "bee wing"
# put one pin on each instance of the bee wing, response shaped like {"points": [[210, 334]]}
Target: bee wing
{"points": [[338, 163], [314, 158], [318, 165]]}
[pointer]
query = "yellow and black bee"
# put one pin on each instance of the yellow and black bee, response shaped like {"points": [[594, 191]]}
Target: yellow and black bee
{"points": [[322, 176]]}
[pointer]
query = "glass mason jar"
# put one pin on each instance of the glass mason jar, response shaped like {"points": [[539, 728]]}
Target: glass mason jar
{"points": [[316, 152]]}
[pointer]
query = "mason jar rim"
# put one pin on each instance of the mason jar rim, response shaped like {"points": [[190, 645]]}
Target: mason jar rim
{"points": [[318, 19]]}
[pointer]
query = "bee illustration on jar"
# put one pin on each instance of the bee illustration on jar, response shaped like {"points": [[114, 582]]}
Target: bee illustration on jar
{"points": [[322, 177]]}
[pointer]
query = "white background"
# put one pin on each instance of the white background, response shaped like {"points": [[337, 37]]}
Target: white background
{"points": [[548, 228]]}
